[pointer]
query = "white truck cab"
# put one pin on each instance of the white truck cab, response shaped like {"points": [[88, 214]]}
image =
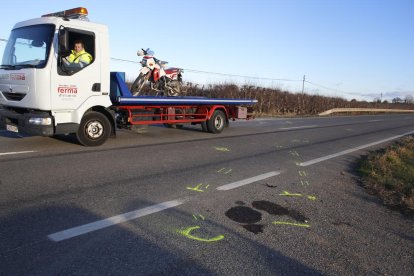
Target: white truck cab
{"points": [[41, 95]]}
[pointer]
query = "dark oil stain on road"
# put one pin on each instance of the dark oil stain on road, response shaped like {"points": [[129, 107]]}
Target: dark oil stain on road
{"points": [[243, 214], [249, 216], [278, 210]]}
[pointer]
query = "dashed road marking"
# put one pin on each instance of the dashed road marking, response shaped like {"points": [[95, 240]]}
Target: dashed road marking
{"points": [[324, 158], [100, 224], [16, 152], [247, 181]]}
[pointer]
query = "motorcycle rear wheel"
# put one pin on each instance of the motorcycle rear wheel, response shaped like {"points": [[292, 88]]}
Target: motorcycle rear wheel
{"points": [[138, 84]]}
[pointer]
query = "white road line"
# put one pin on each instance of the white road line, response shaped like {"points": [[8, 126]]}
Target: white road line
{"points": [[298, 127], [16, 152], [247, 181], [100, 224], [320, 159]]}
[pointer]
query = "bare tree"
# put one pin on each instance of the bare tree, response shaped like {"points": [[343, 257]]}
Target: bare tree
{"points": [[409, 99]]}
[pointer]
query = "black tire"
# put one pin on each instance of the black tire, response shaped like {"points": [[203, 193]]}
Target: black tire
{"points": [[217, 122], [138, 84], [204, 126], [174, 88], [94, 129]]}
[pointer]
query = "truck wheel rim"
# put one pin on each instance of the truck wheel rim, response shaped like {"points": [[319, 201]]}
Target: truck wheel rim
{"points": [[94, 129], [218, 122]]}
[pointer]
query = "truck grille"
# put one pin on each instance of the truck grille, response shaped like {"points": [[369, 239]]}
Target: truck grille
{"points": [[14, 96]]}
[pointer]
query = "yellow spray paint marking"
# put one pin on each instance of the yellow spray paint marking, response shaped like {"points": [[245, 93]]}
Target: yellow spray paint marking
{"points": [[225, 172], [291, 223], [201, 216], [187, 233], [286, 193], [294, 153], [198, 188], [222, 149], [279, 147], [302, 173], [295, 141], [304, 183]]}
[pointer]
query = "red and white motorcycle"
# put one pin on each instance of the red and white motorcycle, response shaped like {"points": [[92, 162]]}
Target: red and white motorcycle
{"points": [[161, 79]]}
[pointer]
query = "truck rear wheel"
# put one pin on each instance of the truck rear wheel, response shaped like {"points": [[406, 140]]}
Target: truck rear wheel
{"points": [[94, 129], [217, 122]]}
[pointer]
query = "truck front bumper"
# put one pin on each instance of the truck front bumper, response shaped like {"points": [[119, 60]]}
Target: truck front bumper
{"points": [[38, 123]]}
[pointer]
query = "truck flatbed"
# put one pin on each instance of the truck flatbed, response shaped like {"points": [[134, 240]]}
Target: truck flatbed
{"points": [[121, 95], [212, 113]]}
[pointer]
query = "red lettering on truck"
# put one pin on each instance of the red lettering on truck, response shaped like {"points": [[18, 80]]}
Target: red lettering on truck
{"points": [[67, 90], [15, 76]]}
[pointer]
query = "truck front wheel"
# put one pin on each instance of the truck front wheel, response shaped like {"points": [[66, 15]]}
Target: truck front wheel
{"points": [[94, 129], [217, 122]]}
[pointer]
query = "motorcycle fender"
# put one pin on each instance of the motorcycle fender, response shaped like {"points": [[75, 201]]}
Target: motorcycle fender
{"points": [[156, 74]]}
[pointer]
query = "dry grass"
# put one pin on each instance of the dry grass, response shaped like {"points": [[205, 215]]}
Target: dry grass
{"points": [[389, 173]]}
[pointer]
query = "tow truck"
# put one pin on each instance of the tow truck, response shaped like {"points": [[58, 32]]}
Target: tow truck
{"points": [[40, 95]]}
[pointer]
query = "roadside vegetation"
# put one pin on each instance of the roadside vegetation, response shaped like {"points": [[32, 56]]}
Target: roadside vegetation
{"points": [[389, 173], [277, 102]]}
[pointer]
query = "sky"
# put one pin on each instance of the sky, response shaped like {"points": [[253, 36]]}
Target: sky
{"points": [[344, 48]]}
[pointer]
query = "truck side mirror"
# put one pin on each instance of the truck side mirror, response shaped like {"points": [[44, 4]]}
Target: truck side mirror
{"points": [[63, 42]]}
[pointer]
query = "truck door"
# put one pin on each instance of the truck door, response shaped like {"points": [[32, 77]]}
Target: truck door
{"points": [[72, 83]]}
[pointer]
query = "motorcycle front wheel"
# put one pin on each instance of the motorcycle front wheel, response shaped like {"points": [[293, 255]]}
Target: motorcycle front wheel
{"points": [[174, 88], [138, 84]]}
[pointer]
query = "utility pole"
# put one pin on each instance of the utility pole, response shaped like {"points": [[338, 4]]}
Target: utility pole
{"points": [[303, 84]]}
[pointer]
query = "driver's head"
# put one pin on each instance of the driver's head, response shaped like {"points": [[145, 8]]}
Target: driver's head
{"points": [[78, 46]]}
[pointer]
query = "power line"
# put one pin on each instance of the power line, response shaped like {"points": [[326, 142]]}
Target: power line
{"points": [[124, 60], [214, 73], [239, 76], [329, 88]]}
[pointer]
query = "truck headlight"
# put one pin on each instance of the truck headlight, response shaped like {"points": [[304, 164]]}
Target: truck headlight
{"points": [[40, 121]]}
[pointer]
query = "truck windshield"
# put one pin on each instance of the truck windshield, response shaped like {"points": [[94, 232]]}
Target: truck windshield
{"points": [[28, 47]]}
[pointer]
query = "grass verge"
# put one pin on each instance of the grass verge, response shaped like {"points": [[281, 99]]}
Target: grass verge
{"points": [[389, 173]]}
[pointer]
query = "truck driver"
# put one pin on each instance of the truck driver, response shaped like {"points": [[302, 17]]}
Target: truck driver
{"points": [[79, 58]]}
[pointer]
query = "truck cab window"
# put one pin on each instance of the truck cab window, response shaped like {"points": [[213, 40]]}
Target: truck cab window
{"points": [[80, 55], [28, 46]]}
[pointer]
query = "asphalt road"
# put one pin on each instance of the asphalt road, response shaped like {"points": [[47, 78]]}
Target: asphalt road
{"points": [[265, 197]]}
